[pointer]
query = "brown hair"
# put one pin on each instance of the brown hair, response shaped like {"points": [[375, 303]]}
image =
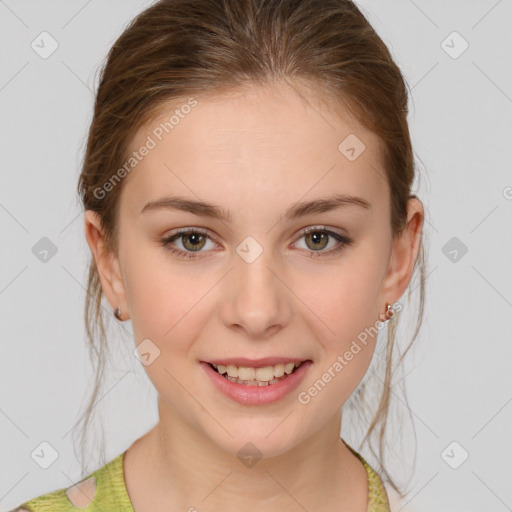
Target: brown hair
{"points": [[179, 48]]}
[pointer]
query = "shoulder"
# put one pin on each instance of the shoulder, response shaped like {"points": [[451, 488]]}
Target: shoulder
{"points": [[96, 488], [378, 500], [77, 497]]}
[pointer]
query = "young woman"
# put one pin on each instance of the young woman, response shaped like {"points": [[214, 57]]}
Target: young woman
{"points": [[247, 195]]}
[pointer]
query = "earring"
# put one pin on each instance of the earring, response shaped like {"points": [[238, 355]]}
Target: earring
{"points": [[117, 313], [388, 314]]}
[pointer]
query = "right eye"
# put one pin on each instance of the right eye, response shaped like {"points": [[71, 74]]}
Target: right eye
{"points": [[192, 241]]}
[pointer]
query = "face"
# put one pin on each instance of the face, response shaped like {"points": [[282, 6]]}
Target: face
{"points": [[245, 284]]}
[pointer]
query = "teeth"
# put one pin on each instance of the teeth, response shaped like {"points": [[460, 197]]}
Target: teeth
{"points": [[264, 374], [278, 370], [246, 373], [231, 369], [256, 376], [289, 368]]}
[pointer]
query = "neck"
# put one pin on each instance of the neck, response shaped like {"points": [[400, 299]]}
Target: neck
{"points": [[182, 467]]}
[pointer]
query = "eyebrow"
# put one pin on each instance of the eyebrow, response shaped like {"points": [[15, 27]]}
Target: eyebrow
{"points": [[297, 210]]}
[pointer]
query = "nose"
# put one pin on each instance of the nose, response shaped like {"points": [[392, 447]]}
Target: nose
{"points": [[257, 298]]}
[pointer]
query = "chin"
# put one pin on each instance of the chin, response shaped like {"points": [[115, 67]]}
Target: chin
{"points": [[256, 439]]}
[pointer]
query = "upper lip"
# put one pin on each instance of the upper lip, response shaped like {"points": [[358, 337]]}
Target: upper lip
{"points": [[255, 363]]}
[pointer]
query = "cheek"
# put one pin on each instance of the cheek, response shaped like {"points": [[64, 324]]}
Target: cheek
{"points": [[161, 297], [166, 309], [344, 300], [344, 325]]}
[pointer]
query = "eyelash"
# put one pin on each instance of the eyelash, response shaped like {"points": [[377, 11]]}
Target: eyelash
{"points": [[343, 242]]}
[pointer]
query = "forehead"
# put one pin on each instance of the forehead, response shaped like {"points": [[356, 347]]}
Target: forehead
{"points": [[267, 143]]}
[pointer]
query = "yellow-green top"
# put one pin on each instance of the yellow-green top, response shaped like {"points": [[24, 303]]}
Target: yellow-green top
{"points": [[106, 486]]}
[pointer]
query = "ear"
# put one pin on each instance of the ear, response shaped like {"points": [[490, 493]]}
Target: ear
{"points": [[107, 262], [404, 253]]}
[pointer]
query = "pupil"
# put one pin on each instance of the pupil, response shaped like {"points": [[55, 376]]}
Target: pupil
{"points": [[316, 238], [193, 241]]}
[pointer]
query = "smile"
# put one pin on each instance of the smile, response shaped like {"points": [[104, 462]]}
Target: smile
{"points": [[248, 376], [251, 385]]}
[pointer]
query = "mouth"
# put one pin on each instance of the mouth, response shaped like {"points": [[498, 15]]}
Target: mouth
{"points": [[257, 376], [259, 382]]}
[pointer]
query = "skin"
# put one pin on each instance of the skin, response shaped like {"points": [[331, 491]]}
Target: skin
{"points": [[255, 153]]}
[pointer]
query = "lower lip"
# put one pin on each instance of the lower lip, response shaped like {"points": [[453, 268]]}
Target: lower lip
{"points": [[257, 395]]}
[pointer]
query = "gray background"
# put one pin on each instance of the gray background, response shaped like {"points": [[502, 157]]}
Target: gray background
{"points": [[458, 381]]}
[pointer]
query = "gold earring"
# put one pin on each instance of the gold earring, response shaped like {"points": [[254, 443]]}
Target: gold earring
{"points": [[388, 314], [117, 313]]}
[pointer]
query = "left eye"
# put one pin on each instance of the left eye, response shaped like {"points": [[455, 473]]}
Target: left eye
{"points": [[317, 239], [193, 240]]}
